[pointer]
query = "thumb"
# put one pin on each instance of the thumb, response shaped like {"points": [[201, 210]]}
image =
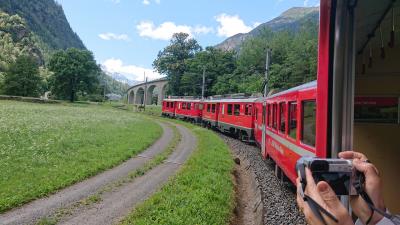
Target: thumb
{"points": [[328, 195]]}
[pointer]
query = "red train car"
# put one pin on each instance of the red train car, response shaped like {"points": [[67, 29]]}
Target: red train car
{"points": [[289, 120], [168, 107], [210, 113], [235, 116], [189, 109]]}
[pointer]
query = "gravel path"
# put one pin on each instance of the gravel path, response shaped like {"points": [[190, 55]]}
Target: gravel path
{"points": [[32, 212], [279, 199], [115, 205]]}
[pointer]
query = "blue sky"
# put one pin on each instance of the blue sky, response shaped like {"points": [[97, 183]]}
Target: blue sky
{"points": [[126, 35]]}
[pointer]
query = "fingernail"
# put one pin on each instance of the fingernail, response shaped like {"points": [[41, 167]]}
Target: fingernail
{"points": [[322, 187]]}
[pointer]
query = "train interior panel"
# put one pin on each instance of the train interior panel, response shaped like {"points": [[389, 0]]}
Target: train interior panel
{"points": [[377, 91]]}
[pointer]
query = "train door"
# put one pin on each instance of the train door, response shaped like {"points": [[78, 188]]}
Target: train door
{"points": [[358, 84]]}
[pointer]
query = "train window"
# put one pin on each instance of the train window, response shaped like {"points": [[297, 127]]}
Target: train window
{"points": [[274, 116], [167, 104], [201, 106], [229, 109], [282, 110], [256, 113], [237, 109], [184, 105], [293, 120], [309, 119], [223, 109], [172, 105], [213, 108], [269, 115], [247, 110], [188, 106], [208, 107]]}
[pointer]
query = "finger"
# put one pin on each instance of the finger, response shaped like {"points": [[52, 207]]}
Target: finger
{"points": [[352, 155], [310, 180], [368, 169], [328, 195]]}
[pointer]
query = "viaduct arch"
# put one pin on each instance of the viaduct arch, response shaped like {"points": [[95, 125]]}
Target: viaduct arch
{"points": [[155, 92]]}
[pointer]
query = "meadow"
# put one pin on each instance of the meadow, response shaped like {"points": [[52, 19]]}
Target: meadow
{"points": [[47, 147], [201, 193]]}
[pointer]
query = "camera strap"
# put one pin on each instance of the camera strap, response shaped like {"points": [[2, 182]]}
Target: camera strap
{"points": [[358, 185], [318, 210]]}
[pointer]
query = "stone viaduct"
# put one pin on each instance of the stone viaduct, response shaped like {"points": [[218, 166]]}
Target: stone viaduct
{"points": [[155, 92]]}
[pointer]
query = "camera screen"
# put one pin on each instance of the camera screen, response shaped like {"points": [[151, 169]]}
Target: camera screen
{"points": [[340, 182]]}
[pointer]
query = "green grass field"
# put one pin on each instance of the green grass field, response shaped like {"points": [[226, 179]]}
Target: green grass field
{"points": [[46, 147], [201, 193]]}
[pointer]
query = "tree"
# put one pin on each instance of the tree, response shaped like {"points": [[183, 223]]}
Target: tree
{"points": [[172, 60], [22, 78], [75, 71]]}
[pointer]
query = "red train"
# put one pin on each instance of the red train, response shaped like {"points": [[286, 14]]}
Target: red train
{"points": [[323, 117], [272, 122]]}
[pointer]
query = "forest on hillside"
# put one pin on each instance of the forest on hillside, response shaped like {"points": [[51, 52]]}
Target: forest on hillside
{"points": [[29, 68], [294, 62]]}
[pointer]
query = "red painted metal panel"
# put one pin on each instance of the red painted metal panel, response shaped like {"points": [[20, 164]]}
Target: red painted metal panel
{"points": [[324, 54]]}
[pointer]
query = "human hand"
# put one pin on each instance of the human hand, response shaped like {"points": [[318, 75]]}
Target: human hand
{"points": [[323, 194], [372, 186]]}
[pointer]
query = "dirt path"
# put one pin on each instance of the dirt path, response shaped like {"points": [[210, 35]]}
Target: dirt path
{"points": [[115, 205], [32, 212]]}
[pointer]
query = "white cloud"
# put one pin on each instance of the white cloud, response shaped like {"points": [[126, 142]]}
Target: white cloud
{"points": [[146, 2], [112, 36], [116, 1], [132, 72], [231, 25], [305, 2], [165, 30]]}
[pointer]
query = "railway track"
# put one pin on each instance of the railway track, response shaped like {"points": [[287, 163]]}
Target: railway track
{"points": [[278, 197]]}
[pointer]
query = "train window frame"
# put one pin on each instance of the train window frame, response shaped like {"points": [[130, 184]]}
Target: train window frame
{"points": [[236, 109], [213, 108], [290, 129], [208, 107], [274, 116], [282, 119], [302, 133], [229, 109]]}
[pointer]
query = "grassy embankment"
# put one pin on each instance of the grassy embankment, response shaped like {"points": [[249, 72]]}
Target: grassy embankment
{"points": [[46, 147], [201, 193]]}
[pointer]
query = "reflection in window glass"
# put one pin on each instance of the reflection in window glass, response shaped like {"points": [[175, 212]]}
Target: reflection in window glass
{"points": [[376, 109], [282, 109], [309, 119], [293, 120], [229, 109], [237, 109]]}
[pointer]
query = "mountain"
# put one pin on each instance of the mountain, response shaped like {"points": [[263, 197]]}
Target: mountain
{"points": [[289, 20], [47, 21]]}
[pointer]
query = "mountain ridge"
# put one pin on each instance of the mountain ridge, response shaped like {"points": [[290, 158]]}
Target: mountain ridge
{"points": [[288, 20]]}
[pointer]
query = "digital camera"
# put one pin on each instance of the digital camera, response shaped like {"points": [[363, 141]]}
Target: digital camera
{"points": [[338, 173]]}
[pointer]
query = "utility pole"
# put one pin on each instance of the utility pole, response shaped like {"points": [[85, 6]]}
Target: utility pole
{"points": [[267, 64], [204, 83]]}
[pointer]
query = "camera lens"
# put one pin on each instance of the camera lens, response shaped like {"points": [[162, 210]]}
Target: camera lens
{"points": [[319, 165]]}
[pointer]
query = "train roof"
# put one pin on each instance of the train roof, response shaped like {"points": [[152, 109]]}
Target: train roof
{"points": [[230, 100], [181, 100], [298, 88]]}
